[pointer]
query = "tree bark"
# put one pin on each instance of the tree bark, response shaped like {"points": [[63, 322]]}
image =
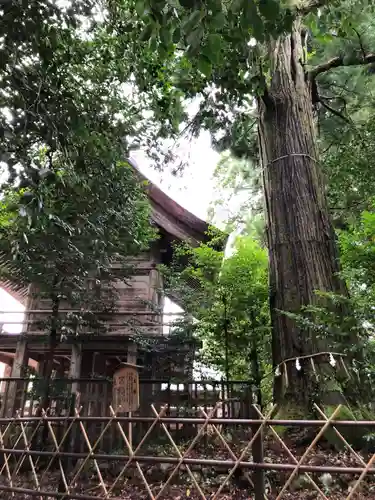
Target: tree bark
{"points": [[226, 341], [48, 365], [42, 437], [255, 374], [301, 239]]}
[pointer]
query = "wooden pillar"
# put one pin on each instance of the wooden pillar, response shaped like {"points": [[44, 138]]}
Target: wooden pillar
{"points": [[16, 388], [75, 370], [7, 374], [156, 300], [132, 360], [132, 353], [99, 393], [5, 388], [40, 368], [21, 359], [72, 443], [60, 370]]}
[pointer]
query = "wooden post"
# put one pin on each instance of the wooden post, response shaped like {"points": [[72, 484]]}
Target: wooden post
{"points": [[75, 368], [41, 368], [19, 363], [258, 456], [74, 373], [7, 373], [132, 354], [5, 388]]}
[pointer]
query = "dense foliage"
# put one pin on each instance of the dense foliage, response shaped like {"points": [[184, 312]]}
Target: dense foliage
{"points": [[71, 204], [72, 208], [229, 301]]}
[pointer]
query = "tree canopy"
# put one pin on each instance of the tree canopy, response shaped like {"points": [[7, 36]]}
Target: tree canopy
{"points": [[70, 201], [72, 208]]}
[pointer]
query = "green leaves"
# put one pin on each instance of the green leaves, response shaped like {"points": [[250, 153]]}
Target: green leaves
{"points": [[213, 48], [218, 21], [192, 21], [147, 32], [253, 21], [231, 292], [194, 38], [236, 6], [269, 9], [57, 222], [140, 8], [176, 35], [166, 35], [205, 66]]}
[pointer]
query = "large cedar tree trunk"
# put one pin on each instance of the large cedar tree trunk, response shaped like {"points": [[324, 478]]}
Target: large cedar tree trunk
{"points": [[301, 240]]}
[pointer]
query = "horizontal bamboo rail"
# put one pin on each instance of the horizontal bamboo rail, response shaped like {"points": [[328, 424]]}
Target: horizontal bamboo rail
{"points": [[205, 462], [200, 421], [101, 313]]}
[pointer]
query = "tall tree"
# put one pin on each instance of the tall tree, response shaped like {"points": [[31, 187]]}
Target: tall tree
{"points": [[228, 298], [233, 55], [61, 83], [72, 206], [80, 236], [358, 270]]}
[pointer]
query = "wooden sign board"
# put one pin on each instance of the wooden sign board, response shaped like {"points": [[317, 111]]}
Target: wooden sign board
{"points": [[126, 389]]}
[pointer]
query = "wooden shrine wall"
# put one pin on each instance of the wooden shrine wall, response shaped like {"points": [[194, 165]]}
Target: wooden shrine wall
{"points": [[137, 306]]}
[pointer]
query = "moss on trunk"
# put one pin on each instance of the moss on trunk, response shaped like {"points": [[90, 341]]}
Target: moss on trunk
{"points": [[303, 436]]}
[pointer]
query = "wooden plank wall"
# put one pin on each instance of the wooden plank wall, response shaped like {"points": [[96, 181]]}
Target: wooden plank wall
{"points": [[139, 293]]}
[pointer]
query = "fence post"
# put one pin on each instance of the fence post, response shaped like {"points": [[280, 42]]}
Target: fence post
{"points": [[258, 456], [68, 445]]}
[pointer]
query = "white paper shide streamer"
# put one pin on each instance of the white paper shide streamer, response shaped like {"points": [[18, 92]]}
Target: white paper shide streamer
{"points": [[332, 360]]}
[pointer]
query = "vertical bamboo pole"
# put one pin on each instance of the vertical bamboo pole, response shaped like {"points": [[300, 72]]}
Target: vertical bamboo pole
{"points": [[132, 360]]}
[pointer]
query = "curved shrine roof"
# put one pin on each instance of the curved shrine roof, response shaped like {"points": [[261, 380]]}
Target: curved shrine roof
{"points": [[172, 218]]}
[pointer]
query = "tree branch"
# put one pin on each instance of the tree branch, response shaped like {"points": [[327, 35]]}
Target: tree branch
{"points": [[312, 5], [360, 41], [336, 112], [337, 62]]}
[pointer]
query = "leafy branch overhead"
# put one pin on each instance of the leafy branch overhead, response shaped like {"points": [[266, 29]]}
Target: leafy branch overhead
{"points": [[65, 124], [221, 51]]}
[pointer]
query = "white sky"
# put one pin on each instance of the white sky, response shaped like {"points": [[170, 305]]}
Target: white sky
{"points": [[194, 188], [8, 303]]}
